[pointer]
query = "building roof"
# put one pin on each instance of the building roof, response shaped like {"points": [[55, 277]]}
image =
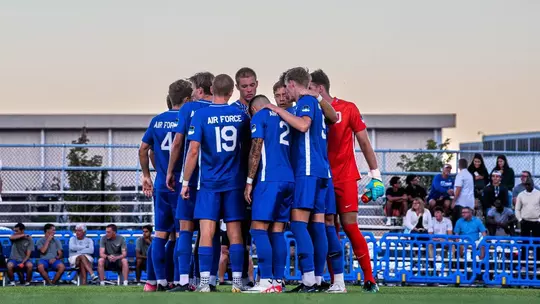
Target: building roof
{"points": [[140, 121]]}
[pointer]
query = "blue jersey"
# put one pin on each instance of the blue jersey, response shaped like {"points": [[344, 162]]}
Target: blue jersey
{"points": [[159, 136], [309, 154], [292, 110], [275, 165], [222, 131], [184, 121], [242, 107]]}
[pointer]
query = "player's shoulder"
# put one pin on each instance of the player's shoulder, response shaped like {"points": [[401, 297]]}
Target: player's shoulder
{"points": [[306, 99]]}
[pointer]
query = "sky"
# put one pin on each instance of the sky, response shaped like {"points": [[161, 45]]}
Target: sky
{"points": [[479, 59]]}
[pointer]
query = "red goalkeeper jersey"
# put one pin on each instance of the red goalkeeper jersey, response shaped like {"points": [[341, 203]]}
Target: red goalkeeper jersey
{"points": [[341, 141]]}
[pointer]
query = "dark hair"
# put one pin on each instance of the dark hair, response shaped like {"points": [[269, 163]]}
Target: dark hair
{"points": [[438, 208], [528, 173], [243, 73], [169, 104], [505, 167], [203, 80], [179, 91], [282, 78], [394, 180], [147, 227], [19, 226], [409, 178], [482, 170], [462, 163], [278, 85], [222, 85], [113, 227], [319, 77], [299, 75], [47, 227]]}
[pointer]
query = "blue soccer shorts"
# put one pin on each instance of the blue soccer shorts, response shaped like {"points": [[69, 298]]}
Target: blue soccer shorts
{"points": [[49, 266], [272, 201], [310, 193], [186, 208], [216, 205], [165, 210], [330, 198]]}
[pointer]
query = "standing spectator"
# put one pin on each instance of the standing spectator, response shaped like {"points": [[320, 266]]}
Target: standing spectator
{"points": [[463, 191], [501, 220], [471, 226], [414, 189], [481, 177], [508, 175], [22, 246], [141, 248], [396, 199], [525, 175], [81, 249], [442, 190], [417, 220], [528, 213], [51, 255], [493, 192], [112, 254]]}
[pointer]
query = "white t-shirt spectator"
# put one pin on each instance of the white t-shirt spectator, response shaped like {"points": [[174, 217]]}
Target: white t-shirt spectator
{"points": [[441, 227], [465, 180]]}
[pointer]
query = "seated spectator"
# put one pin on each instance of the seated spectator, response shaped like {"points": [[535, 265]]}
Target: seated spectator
{"points": [[112, 254], [463, 191], [414, 189], [51, 255], [507, 174], [440, 225], [525, 175], [81, 250], [396, 198], [471, 226], [528, 214], [442, 190], [501, 220], [494, 191], [418, 219], [22, 246], [141, 248]]}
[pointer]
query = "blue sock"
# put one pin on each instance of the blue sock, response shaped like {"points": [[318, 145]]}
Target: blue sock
{"points": [[335, 251], [158, 256], [216, 246], [236, 253], [320, 244], [205, 259], [184, 252], [150, 274], [175, 262], [304, 246], [264, 252], [169, 260], [279, 255], [194, 267]]}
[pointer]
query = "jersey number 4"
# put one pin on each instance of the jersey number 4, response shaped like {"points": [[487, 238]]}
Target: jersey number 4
{"points": [[166, 143], [226, 138]]}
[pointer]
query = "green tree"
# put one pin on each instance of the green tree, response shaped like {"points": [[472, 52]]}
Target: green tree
{"points": [[425, 161], [88, 180]]}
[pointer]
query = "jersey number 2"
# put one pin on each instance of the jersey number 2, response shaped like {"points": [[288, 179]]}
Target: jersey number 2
{"points": [[226, 138], [166, 143], [284, 134]]}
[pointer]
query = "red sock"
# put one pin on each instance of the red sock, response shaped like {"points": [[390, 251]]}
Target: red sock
{"points": [[360, 249]]}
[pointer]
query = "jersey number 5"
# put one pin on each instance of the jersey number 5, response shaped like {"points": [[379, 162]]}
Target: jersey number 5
{"points": [[166, 143], [226, 138], [284, 134]]}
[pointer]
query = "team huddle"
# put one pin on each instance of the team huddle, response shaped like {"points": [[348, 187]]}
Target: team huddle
{"points": [[262, 169]]}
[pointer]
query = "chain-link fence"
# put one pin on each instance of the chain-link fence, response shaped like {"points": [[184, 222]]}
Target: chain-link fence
{"points": [[112, 174]]}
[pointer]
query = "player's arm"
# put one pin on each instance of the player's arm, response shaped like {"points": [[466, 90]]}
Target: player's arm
{"points": [[152, 158], [253, 165], [301, 124], [174, 158], [189, 166], [144, 160], [327, 109]]}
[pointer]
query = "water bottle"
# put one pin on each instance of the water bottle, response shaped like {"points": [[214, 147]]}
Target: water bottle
{"points": [[366, 197]]}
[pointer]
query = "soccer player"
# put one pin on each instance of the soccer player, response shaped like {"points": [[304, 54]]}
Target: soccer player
{"points": [[217, 136], [273, 194], [246, 84], [345, 171], [280, 96], [158, 138], [202, 96], [310, 163]]}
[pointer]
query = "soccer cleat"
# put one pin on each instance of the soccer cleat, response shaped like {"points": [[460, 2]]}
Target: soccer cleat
{"points": [[297, 288], [213, 288], [337, 288], [308, 289], [370, 287], [204, 288], [262, 287], [323, 287], [161, 288], [12, 284], [27, 284], [149, 287], [181, 288], [279, 286]]}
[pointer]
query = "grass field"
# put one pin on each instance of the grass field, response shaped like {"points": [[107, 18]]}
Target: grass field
{"points": [[387, 295]]}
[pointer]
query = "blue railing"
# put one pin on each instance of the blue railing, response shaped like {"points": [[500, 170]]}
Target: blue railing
{"points": [[405, 258]]}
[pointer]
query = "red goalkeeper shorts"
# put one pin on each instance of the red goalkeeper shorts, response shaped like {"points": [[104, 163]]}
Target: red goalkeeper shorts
{"points": [[346, 196]]}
